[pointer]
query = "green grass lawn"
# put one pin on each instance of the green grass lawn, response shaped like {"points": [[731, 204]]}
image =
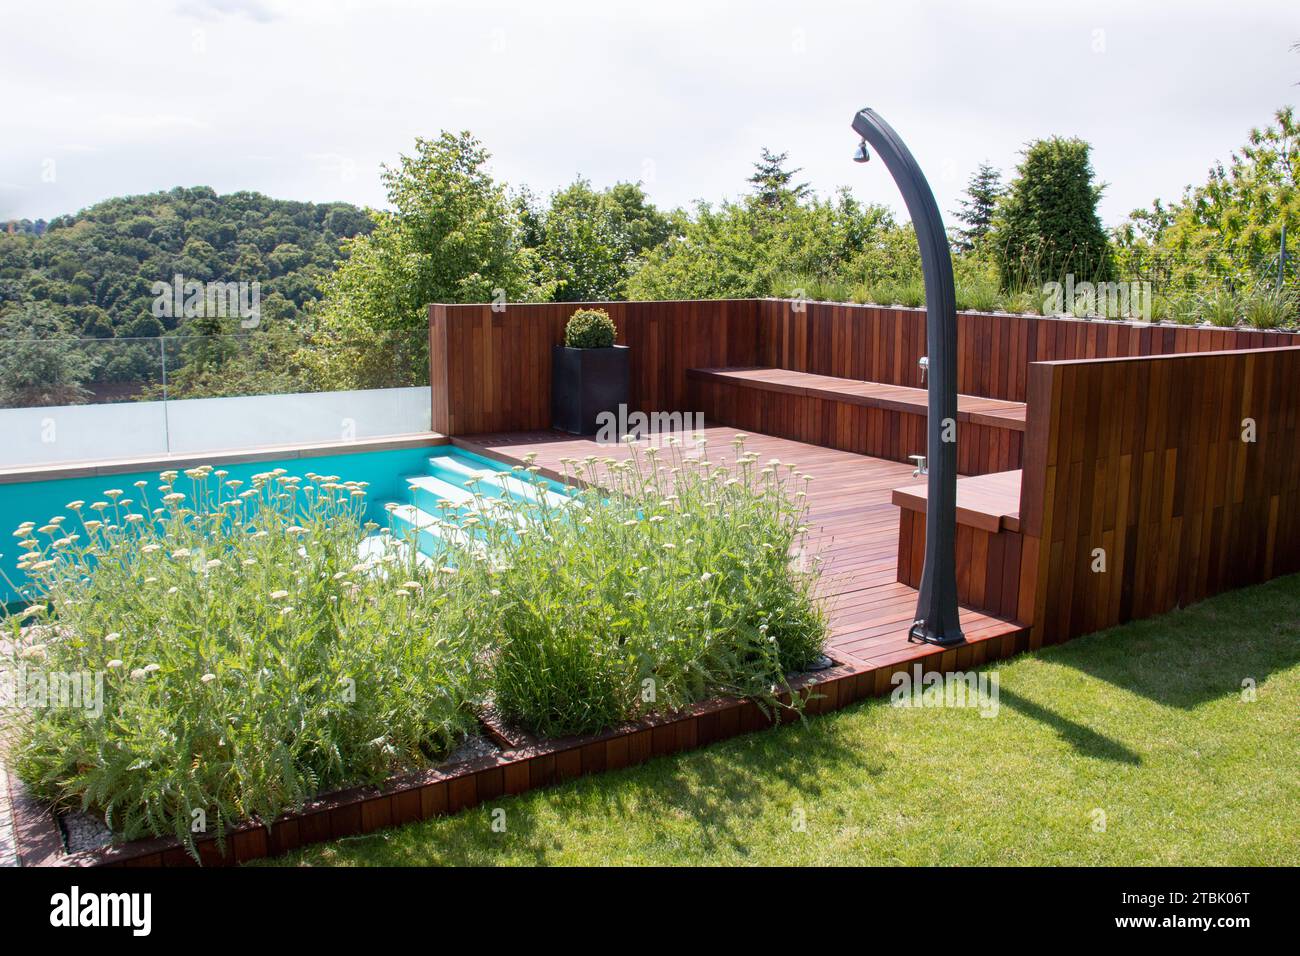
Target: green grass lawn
{"points": [[1146, 723]]}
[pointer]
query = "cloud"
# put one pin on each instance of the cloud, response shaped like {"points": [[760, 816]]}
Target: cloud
{"points": [[148, 122], [216, 9]]}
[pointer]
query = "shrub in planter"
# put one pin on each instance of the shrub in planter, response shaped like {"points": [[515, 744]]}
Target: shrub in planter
{"points": [[590, 329], [979, 295], [1024, 301], [1183, 309], [589, 373], [247, 658]]}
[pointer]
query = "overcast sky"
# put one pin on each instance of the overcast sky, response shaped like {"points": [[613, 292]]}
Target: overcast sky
{"points": [[304, 99]]}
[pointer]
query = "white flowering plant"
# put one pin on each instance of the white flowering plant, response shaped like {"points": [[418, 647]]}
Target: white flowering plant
{"points": [[250, 657], [673, 576]]}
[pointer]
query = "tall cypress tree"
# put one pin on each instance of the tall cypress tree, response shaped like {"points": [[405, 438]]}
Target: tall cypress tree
{"points": [[1047, 225]]}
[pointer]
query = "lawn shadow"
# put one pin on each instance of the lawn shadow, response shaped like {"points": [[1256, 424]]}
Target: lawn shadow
{"points": [[741, 779], [1085, 740], [1193, 655]]}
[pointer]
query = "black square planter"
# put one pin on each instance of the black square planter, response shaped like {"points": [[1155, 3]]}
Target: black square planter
{"points": [[586, 382]]}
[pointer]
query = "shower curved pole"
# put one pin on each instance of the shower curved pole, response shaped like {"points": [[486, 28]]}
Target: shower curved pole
{"points": [[936, 610]]}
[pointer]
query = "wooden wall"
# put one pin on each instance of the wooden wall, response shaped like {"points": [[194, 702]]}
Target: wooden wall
{"points": [[491, 371], [883, 344], [1144, 458]]}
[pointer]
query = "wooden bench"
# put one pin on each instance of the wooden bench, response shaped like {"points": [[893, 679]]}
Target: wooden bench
{"points": [[989, 543], [870, 418], [988, 502]]}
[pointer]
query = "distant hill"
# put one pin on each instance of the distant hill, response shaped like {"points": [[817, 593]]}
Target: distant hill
{"points": [[94, 271]]}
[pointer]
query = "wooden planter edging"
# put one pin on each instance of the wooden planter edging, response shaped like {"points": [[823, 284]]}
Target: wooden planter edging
{"points": [[451, 788]]}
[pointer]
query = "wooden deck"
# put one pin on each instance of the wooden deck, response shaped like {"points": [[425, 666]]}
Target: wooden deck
{"points": [[855, 531]]}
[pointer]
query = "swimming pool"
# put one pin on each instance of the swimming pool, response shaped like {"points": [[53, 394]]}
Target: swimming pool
{"points": [[416, 479]]}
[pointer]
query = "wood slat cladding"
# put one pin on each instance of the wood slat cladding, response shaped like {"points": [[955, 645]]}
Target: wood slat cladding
{"points": [[491, 371], [878, 344], [1145, 459], [988, 563]]}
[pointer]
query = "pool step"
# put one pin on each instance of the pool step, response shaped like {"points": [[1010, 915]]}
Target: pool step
{"points": [[429, 495], [427, 491], [494, 483], [376, 546], [430, 536], [440, 496]]}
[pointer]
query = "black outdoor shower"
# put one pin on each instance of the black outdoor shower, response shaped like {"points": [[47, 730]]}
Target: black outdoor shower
{"points": [[936, 609]]}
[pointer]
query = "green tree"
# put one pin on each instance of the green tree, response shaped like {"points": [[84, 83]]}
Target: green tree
{"points": [[453, 236], [1230, 228], [1047, 224], [41, 362], [591, 242], [977, 209], [773, 184], [748, 249], [531, 213]]}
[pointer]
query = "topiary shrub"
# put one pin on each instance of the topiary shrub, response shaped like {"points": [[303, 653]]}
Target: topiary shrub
{"points": [[589, 329]]}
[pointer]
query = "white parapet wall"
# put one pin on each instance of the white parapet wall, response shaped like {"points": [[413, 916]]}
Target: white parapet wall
{"points": [[75, 433]]}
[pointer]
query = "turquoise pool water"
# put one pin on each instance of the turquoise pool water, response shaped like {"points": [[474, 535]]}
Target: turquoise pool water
{"points": [[437, 473], [447, 477]]}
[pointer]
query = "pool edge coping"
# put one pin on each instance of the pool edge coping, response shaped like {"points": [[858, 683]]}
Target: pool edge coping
{"points": [[18, 474]]}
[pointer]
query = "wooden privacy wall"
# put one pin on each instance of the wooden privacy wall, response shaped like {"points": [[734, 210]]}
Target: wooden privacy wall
{"points": [[878, 344], [491, 371], [1145, 459]]}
